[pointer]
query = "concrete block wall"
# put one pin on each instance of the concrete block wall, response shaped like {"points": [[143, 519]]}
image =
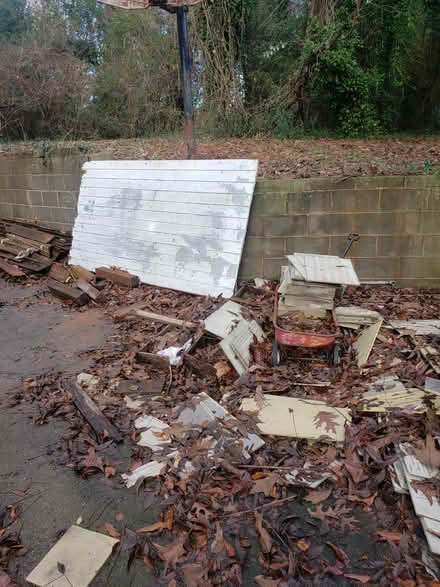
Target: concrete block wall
{"points": [[397, 218], [44, 192]]}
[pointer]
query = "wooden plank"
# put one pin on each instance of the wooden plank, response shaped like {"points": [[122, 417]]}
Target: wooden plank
{"points": [[85, 286], [92, 413], [125, 310], [177, 164], [117, 276], [298, 418], [165, 319], [236, 345], [156, 361], [187, 176], [80, 272], [365, 342], [59, 273], [31, 233], [324, 268], [215, 187], [25, 243], [11, 270], [221, 322], [66, 292]]}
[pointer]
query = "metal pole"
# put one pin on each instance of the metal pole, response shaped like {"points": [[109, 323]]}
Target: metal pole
{"points": [[186, 68]]}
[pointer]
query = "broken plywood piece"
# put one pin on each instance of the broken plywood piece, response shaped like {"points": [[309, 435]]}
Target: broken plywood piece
{"points": [[354, 317], [417, 327], [365, 342], [221, 322], [416, 471], [412, 398], [308, 476], [299, 418], [431, 529], [80, 552], [151, 437], [30, 233], [65, 292], [209, 410], [11, 270], [59, 273], [80, 272], [324, 268], [152, 469], [88, 289], [236, 345]]}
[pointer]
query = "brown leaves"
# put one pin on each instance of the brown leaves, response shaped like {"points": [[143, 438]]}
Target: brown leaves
{"points": [[92, 461], [263, 581], [327, 420], [340, 554], [428, 455], [263, 534], [266, 485], [429, 487], [367, 502], [316, 496], [165, 524], [172, 553], [361, 578], [220, 544], [109, 529], [5, 580], [393, 536], [195, 575], [109, 471], [337, 516]]}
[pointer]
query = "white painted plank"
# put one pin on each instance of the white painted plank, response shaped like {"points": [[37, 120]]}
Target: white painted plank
{"points": [[173, 225], [221, 322], [204, 198], [186, 176], [177, 164], [153, 206], [365, 342], [417, 327], [160, 217], [236, 345], [324, 268], [216, 187]]}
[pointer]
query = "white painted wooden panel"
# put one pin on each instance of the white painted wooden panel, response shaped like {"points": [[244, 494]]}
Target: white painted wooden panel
{"points": [[179, 164], [176, 224], [178, 197]]}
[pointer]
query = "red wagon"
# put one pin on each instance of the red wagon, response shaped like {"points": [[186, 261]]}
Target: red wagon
{"points": [[310, 340]]}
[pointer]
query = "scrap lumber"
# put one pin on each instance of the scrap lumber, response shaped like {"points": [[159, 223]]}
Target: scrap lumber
{"points": [[222, 321], [125, 310], [156, 361], [86, 287], [236, 345], [11, 270], [30, 233], [43, 249], [165, 319], [117, 276], [365, 342], [66, 292], [417, 327], [200, 367], [79, 272], [59, 273], [91, 412]]}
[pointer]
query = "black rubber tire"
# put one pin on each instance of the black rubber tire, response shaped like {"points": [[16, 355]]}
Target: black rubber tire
{"points": [[276, 354]]}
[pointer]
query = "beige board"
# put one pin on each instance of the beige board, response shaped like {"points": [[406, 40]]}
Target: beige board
{"points": [[299, 418], [80, 552], [365, 342], [222, 321], [236, 345], [388, 392]]}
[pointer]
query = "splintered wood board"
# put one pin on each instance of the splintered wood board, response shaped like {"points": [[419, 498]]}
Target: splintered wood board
{"points": [[236, 345], [298, 418], [324, 268], [365, 342], [175, 224]]}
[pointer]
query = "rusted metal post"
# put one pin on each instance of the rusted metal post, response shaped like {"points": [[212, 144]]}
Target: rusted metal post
{"points": [[186, 70]]}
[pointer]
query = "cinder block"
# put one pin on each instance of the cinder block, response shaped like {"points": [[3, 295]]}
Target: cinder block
{"points": [[297, 203], [274, 247], [253, 247], [362, 200], [251, 267], [364, 247], [280, 185], [255, 225], [380, 181], [20, 182], [431, 222], [422, 181], [375, 268], [431, 246], [71, 182], [272, 267], [331, 224], [50, 183], [50, 199], [34, 198], [64, 165], [318, 201], [285, 225], [6, 209], [66, 200], [271, 204], [428, 283], [403, 199], [8, 196], [308, 244], [4, 182], [421, 267], [43, 214], [434, 199], [400, 246], [63, 215], [388, 223]]}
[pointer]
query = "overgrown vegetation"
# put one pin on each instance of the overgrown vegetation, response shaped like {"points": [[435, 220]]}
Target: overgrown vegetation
{"points": [[71, 68]]}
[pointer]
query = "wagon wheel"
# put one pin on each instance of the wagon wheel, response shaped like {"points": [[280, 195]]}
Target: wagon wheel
{"points": [[276, 354]]}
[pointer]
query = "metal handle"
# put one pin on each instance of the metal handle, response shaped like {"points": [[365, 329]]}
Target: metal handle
{"points": [[352, 238]]}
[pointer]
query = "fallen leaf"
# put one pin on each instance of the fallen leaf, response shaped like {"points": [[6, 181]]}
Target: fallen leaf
{"points": [[148, 563], [302, 545], [109, 529], [429, 455], [61, 568], [327, 420], [317, 495], [263, 581], [265, 485], [109, 471], [340, 554], [195, 575], [393, 536], [265, 538], [93, 461], [119, 516], [360, 578], [367, 502], [5, 580], [165, 524], [12, 513], [220, 544], [173, 552], [222, 368]]}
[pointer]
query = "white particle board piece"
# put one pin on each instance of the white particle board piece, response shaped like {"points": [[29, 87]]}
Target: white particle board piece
{"points": [[398, 478], [151, 469], [408, 399], [148, 437], [208, 410], [221, 322], [384, 385], [432, 533], [236, 344], [324, 268], [432, 385], [417, 327], [175, 224], [354, 316], [416, 471], [365, 342], [81, 552], [299, 418]]}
